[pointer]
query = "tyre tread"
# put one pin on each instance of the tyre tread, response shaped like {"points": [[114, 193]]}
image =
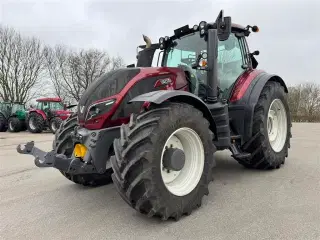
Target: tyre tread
{"points": [[262, 156], [132, 163], [63, 145]]}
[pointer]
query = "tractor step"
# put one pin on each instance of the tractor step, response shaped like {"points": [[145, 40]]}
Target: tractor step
{"points": [[242, 155], [239, 154], [235, 137]]}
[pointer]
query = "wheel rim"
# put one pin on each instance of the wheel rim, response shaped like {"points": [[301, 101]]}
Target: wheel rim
{"points": [[10, 125], [181, 183], [277, 125], [54, 126], [31, 124]]}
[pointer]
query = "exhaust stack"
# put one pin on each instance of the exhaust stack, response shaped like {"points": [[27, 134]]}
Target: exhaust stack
{"points": [[147, 41]]}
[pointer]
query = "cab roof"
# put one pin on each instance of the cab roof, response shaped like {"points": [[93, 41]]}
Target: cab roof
{"points": [[49, 100]]}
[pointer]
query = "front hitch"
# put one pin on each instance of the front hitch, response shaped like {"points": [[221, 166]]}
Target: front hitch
{"points": [[59, 161]]}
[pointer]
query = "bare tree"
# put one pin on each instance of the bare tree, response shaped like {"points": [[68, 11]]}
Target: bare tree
{"points": [[71, 72], [21, 65], [294, 99], [304, 102], [310, 98]]}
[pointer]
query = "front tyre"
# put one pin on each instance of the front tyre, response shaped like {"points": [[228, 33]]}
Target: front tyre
{"points": [[63, 144], [35, 123], [14, 124], [271, 129], [163, 160], [54, 124]]}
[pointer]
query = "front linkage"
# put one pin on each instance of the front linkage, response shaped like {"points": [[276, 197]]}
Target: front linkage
{"points": [[92, 159], [59, 161]]}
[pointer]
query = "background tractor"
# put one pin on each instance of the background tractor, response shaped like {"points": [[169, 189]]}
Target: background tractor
{"points": [[17, 118], [154, 130], [49, 112], [5, 111]]}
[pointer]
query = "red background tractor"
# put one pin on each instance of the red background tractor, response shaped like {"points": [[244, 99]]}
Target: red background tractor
{"points": [[49, 112]]}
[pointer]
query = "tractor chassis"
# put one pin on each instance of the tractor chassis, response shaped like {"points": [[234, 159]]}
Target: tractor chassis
{"points": [[99, 144]]}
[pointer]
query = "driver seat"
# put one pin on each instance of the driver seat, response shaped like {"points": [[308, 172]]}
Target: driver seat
{"points": [[191, 78]]}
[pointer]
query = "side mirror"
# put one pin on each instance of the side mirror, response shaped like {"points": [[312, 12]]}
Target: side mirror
{"points": [[223, 26], [255, 53], [253, 59]]}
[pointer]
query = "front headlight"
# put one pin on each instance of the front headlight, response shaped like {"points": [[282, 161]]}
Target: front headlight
{"points": [[100, 108]]}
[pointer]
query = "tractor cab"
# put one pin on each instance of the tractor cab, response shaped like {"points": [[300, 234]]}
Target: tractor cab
{"points": [[188, 49], [16, 120], [19, 111], [46, 104], [5, 109], [18, 107]]}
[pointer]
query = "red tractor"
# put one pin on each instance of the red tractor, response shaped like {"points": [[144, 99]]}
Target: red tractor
{"points": [[49, 112], [154, 130]]}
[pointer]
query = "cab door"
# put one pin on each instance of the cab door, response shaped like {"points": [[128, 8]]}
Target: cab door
{"points": [[231, 63]]}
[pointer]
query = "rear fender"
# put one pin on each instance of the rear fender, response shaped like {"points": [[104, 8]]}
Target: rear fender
{"points": [[242, 111], [39, 112], [158, 97]]}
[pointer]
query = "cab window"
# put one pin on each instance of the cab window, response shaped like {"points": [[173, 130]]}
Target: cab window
{"points": [[229, 62]]}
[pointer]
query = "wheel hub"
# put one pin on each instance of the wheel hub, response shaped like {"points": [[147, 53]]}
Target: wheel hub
{"points": [[174, 159], [168, 175], [31, 123]]}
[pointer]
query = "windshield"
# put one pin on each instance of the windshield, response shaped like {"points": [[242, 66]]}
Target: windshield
{"points": [[185, 51], [183, 54], [4, 106], [56, 106], [17, 107]]}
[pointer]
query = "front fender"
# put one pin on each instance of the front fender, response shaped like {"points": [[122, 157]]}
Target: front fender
{"points": [[39, 112], [158, 97]]}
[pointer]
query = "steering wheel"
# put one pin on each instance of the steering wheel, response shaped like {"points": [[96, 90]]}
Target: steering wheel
{"points": [[194, 81]]}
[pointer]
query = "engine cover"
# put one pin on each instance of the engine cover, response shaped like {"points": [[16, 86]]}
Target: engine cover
{"points": [[107, 85]]}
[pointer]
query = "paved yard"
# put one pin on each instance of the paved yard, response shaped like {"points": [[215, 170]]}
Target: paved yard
{"points": [[243, 204]]}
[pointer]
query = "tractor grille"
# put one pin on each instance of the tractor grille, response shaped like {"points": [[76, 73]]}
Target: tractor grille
{"points": [[107, 85]]}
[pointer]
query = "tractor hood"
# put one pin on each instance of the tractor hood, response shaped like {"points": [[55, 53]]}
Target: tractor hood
{"points": [[107, 85], [61, 112], [114, 82]]}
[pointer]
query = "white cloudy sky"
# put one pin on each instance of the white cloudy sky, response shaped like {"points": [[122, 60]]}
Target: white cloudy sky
{"points": [[288, 40]]}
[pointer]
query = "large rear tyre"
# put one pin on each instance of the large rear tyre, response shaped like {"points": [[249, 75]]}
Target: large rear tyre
{"points": [[55, 124], [271, 130], [35, 123], [163, 161], [14, 124], [63, 144], [3, 123]]}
